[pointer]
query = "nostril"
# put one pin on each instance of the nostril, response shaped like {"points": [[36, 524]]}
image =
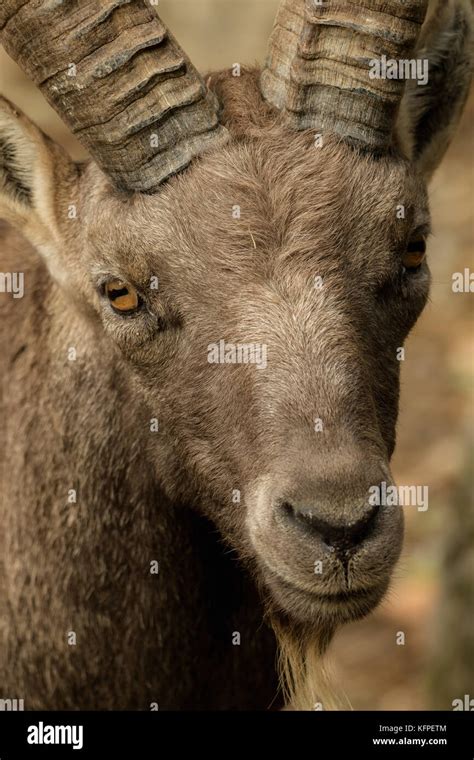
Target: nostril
{"points": [[342, 538]]}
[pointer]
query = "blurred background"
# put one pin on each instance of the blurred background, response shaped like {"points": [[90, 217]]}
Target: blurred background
{"points": [[432, 598]]}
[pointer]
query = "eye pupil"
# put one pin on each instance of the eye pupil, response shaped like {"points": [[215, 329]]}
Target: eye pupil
{"points": [[114, 294], [417, 246], [414, 255], [123, 297]]}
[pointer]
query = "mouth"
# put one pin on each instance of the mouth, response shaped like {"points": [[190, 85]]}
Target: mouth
{"points": [[324, 608]]}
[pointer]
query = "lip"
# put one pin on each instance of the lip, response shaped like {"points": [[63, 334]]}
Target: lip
{"points": [[339, 597], [343, 597], [342, 606]]}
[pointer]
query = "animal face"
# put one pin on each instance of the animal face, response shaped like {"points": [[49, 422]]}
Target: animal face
{"points": [[259, 300]]}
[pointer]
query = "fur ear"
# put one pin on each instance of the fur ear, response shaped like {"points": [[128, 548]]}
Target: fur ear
{"points": [[18, 139], [430, 113], [33, 169]]}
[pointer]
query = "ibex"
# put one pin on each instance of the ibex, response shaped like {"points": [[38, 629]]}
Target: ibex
{"points": [[175, 520]]}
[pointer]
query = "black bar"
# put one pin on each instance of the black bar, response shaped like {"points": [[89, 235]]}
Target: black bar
{"points": [[313, 735]]}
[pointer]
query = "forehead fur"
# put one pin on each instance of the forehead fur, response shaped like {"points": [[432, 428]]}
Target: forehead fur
{"points": [[270, 199]]}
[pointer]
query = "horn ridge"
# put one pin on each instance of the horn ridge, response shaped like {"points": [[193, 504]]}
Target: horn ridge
{"points": [[318, 66], [119, 80]]}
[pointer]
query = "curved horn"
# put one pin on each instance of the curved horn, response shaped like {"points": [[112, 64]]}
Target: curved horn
{"points": [[119, 80], [318, 66]]}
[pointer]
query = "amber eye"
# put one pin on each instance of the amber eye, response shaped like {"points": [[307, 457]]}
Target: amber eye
{"points": [[414, 255], [122, 296]]}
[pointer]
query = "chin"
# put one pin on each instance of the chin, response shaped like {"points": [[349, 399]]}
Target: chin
{"points": [[305, 623], [321, 611]]}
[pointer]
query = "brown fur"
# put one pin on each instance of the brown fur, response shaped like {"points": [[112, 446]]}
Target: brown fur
{"points": [[167, 496], [430, 115]]}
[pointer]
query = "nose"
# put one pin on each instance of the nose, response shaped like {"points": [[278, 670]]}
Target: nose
{"points": [[343, 538]]}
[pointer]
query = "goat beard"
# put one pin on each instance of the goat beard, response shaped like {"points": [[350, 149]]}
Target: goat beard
{"points": [[304, 679]]}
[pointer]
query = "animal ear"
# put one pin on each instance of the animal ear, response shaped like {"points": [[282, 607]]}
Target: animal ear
{"points": [[33, 171], [430, 112]]}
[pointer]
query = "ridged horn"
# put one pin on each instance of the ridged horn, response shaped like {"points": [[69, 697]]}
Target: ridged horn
{"points": [[120, 82], [319, 64]]}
